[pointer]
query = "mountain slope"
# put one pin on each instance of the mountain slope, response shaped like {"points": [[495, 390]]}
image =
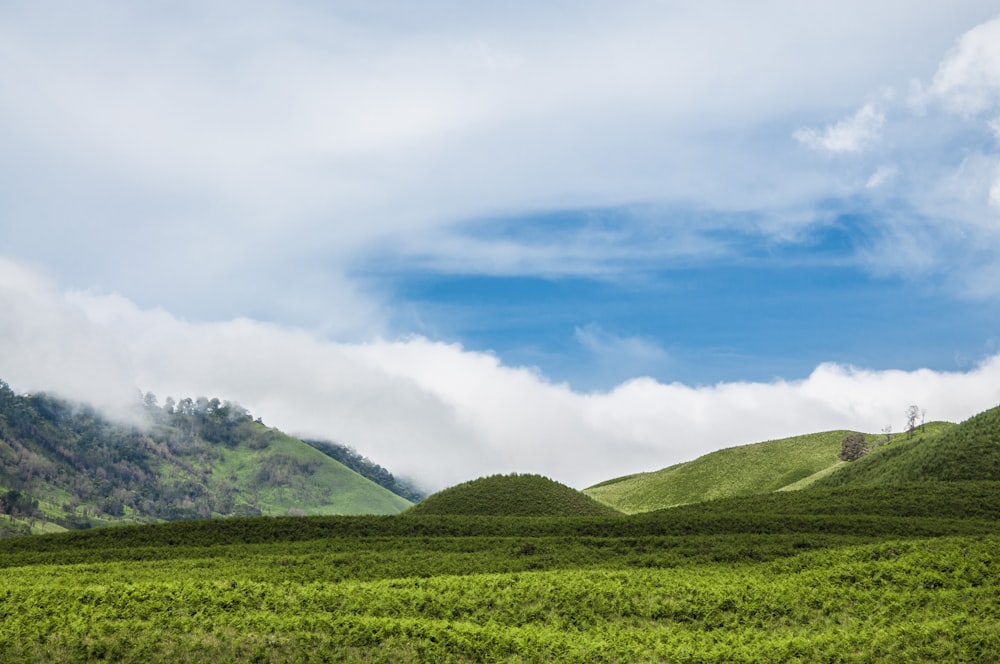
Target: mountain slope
{"points": [[967, 451], [66, 464], [775, 465], [367, 468], [512, 495]]}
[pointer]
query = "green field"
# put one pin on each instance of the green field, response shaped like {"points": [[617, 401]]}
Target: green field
{"points": [[907, 573]]}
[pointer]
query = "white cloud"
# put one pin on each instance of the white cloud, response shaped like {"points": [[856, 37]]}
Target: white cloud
{"points": [[258, 140], [852, 134], [435, 411], [47, 342], [600, 342], [881, 176], [968, 79]]}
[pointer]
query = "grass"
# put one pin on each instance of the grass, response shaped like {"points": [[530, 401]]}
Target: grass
{"points": [[735, 471], [862, 574], [967, 451], [512, 495], [303, 478], [776, 465]]}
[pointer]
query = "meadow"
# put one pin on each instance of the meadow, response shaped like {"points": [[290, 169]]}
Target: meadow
{"points": [[905, 573]]}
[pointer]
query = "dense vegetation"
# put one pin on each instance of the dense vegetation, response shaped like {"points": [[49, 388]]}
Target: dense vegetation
{"points": [[512, 495], [856, 574], [365, 467], [65, 465]]}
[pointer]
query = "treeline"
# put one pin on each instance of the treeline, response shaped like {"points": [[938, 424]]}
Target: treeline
{"points": [[107, 469], [368, 468], [104, 467]]}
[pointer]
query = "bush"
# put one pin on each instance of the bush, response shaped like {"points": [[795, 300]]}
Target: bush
{"points": [[853, 447]]}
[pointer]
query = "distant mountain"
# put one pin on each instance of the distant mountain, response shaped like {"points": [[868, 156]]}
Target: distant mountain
{"points": [[775, 465], [512, 495], [64, 465]]}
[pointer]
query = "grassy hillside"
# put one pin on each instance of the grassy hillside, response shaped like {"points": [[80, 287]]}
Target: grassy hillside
{"points": [[873, 574], [65, 465], [289, 475], [967, 451], [512, 495], [775, 465]]}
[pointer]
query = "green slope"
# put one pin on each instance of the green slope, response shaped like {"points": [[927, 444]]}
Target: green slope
{"points": [[512, 495], [966, 451], [775, 465], [289, 475]]}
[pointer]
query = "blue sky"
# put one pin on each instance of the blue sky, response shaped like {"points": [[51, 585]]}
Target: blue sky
{"points": [[703, 325], [755, 313], [526, 231]]}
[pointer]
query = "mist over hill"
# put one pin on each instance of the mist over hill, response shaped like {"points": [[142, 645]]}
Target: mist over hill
{"points": [[66, 465]]}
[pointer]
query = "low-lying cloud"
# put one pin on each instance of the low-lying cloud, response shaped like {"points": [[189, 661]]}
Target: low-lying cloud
{"points": [[434, 411]]}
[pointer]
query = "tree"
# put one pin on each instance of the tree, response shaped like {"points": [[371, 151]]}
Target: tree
{"points": [[853, 447], [16, 503], [887, 430], [912, 413]]}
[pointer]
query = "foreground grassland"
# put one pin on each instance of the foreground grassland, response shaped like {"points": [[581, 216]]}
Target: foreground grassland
{"points": [[880, 574]]}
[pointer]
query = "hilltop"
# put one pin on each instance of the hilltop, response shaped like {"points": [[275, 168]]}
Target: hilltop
{"points": [[512, 495], [65, 465], [967, 451], [776, 465]]}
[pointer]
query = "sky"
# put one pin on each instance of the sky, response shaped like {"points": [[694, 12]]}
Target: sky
{"points": [[580, 239]]}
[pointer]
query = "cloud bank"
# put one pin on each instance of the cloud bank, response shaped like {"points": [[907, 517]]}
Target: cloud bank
{"points": [[273, 150], [433, 411]]}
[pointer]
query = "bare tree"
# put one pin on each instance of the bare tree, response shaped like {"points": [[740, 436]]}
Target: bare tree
{"points": [[912, 413], [887, 431]]}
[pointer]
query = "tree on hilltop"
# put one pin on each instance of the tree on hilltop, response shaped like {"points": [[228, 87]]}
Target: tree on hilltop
{"points": [[853, 447], [912, 413]]}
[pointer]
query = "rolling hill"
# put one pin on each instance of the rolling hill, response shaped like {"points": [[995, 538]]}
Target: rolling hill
{"points": [[967, 451], [512, 495], [65, 465], [776, 465]]}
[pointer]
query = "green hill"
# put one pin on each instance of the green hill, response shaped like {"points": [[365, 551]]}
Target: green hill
{"points": [[775, 465], [967, 451], [65, 465], [512, 495]]}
